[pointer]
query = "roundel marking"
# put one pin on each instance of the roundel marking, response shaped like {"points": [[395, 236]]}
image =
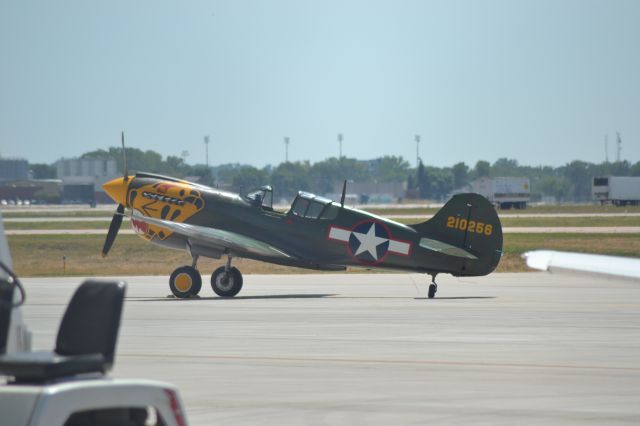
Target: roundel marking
{"points": [[369, 241]]}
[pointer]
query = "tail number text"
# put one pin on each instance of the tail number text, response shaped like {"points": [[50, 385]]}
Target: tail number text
{"points": [[469, 225]]}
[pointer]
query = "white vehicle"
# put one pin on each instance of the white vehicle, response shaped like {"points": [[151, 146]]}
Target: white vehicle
{"points": [[617, 190], [68, 386], [94, 402], [504, 192]]}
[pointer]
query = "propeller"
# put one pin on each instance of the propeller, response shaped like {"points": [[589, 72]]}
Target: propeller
{"points": [[124, 159], [114, 227]]}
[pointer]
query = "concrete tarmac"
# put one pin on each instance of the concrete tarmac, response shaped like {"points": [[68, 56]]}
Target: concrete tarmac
{"points": [[345, 349]]}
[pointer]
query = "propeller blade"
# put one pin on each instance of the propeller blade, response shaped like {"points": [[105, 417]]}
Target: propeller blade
{"points": [[124, 158], [114, 227]]}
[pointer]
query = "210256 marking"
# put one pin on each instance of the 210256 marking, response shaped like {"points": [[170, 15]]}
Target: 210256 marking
{"points": [[469, 225]]}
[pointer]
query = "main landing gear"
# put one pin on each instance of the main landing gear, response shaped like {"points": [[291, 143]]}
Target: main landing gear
{"points": [[186, 281], [433, 287], [226, 281]]}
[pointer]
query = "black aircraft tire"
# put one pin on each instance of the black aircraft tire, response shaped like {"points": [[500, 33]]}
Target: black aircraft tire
{"points": [[230, 288], [432, 290], [197, 285], [185, 282]]}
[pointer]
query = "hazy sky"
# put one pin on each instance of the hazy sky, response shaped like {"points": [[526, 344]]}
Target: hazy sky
{"points": [[538, 81]]}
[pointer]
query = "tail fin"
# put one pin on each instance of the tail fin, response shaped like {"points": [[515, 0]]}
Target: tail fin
{"points": [[468, 222]]}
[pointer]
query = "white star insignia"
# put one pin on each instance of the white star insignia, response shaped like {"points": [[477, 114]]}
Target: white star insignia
{"points": [[369, 242]]}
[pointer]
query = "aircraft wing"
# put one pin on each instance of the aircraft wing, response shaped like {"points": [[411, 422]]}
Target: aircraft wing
{"points": [[596, 264], [236, 243]]}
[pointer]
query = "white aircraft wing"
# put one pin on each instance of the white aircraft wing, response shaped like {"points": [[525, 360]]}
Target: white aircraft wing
{"points": [[596, 264], [237, 243]]}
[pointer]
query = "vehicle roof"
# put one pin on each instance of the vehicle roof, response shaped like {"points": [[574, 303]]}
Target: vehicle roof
{"points": [[106, 383]]}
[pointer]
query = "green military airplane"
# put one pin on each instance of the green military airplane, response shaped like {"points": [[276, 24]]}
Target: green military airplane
{"points": [[464, 238]]}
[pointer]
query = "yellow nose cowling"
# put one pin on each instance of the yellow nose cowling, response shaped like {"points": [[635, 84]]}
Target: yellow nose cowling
{"points": [[117, 189]]}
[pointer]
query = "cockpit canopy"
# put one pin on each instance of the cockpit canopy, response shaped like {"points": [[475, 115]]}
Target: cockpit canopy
{"points": [[262, 197], [311, 206]]}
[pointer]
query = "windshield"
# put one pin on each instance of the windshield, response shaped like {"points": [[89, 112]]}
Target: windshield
{"points": [[262, 197]]}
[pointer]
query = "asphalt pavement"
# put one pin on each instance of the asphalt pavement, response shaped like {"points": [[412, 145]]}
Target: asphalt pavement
{"points": [[327, 349]]}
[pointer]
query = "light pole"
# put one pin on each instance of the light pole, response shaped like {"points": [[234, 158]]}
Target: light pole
{"points": [[286, 149], [206, 147], [340, 144], [417, 139]]}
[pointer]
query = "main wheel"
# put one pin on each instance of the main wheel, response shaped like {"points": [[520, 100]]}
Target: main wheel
{"points": [[433, 288], [185, 282], [226, 284]]}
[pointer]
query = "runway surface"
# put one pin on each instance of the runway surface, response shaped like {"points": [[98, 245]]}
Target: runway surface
{"points": [[371, 349]]}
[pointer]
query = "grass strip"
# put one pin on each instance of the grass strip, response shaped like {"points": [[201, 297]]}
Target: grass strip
{"points": [[42, 255]]}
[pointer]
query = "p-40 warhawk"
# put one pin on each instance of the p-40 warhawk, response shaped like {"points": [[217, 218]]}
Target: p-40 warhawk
{"points": [[464, 238]]}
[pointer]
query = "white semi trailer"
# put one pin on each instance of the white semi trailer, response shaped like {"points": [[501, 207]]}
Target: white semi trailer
{"points": [[504, 192], [617, 190]]}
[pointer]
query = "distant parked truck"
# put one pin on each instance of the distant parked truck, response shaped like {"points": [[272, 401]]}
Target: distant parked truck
{"points": [[504, 192], [617, 190]]}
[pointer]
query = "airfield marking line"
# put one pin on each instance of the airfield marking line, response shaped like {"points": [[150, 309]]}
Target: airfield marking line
{"points": [[380, 361], [63, 231], [523, 215], [571, 230], [58, 219]]}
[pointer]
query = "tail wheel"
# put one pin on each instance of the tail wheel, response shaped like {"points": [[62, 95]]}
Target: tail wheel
{"points": [[433, 288], [185, 282], [226, 283]]}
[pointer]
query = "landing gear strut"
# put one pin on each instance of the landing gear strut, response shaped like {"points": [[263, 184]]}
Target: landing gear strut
{"points": [[433, 287], [186, 281], [226, 281]]}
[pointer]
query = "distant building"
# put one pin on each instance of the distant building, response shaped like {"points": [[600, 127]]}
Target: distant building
{"points": [[83, 167], [82, 179], [43, 190], [13, 169]]}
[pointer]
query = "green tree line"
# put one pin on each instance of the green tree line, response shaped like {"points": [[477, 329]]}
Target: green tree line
{"points": [[570, 182]]}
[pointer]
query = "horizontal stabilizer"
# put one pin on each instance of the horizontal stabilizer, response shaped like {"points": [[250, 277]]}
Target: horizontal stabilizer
{"points": [[444, 248]]}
